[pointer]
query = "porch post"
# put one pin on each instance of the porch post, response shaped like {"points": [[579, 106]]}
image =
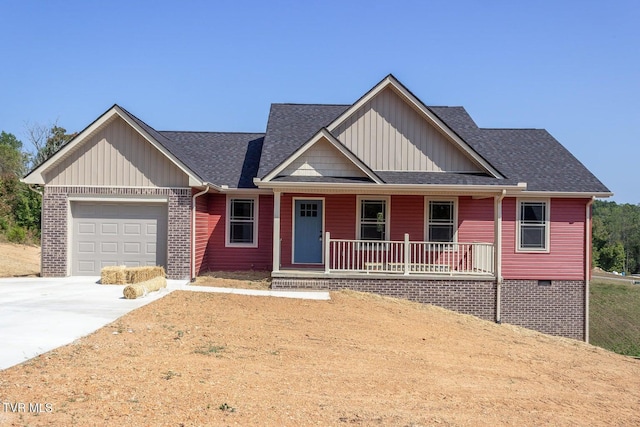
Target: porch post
{"points": [[276, 231], [407, 254], [327, 252]]}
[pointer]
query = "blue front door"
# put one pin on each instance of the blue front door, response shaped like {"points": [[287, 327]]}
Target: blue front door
{"points": [[307, 246]]}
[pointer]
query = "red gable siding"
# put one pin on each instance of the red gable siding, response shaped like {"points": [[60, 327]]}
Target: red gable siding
{"points": [[566, 258]]}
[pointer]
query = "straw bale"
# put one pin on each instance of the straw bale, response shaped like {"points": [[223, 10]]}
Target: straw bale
{"points": [[141, 274], [143, 288], [113, 275]]}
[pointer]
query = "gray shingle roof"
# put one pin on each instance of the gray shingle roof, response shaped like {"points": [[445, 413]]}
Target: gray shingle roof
{"points": [[220, 158], [520, 155], [291, 125], [527, 155]]}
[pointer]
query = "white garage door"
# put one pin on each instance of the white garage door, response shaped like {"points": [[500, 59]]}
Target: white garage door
{"points": [[117, 234]]}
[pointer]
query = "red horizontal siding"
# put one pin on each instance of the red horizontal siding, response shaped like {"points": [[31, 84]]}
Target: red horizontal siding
{"points": [[202, 233], [220, 257], [407, 216], [475, 220], [566, 257]]}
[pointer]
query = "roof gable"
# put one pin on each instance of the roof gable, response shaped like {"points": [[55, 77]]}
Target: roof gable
{"points": [[323, 155], [388, 134], [37, 175], [376, 106], [290, 126], [115, 155]]}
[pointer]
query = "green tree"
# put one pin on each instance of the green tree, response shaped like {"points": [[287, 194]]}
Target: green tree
{"points": [[12, 160]]}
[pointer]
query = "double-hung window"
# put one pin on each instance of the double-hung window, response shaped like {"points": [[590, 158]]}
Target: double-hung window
{"points": [[242, 221], [373, 219], [441, 220], [533, 225]]}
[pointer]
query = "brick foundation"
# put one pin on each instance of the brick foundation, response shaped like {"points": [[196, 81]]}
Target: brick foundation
{"points": [[55, 217], [557, 309], [469, 297]]}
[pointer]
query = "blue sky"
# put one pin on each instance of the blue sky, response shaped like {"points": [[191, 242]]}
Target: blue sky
{"points": [[571, 67]]}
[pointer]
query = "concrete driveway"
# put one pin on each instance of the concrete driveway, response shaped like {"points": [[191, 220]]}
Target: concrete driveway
{"points": [[40, 314]]}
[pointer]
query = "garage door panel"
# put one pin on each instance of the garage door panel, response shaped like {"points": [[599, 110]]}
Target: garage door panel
{"points": [[150, 248], [117, 234], [132, 248], [87, 248], [86, 228], [132, 229], [86, 266], [109, 229]]}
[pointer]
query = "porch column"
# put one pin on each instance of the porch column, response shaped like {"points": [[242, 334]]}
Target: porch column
{"points": [[276, 231], [497, 230]]}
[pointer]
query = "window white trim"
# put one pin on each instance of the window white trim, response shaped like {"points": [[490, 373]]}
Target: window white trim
{"points": [[256, 211], [293, 228], [387, 225], [547, 225], [427, 221]]}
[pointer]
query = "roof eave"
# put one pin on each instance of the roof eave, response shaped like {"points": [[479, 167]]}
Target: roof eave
{"points": [[389, 188]]}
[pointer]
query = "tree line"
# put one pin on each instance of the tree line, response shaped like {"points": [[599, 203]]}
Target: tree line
{"points": [[616, 236], [20, 205]]}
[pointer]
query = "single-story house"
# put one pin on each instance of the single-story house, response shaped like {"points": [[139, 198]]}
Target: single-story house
{"points": [[386, 195]]}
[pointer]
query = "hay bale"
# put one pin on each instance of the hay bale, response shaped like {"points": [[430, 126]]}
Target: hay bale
{"points": [[113, 275], [142, 274], [141, 289]]}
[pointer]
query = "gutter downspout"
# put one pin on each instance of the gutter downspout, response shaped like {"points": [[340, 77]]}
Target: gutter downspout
{"points": [[497, 209], [587, 265], [193, 231]]}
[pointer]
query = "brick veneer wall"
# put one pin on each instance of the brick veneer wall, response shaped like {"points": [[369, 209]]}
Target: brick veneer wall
{"points": [[55, 212], [556, 310]]}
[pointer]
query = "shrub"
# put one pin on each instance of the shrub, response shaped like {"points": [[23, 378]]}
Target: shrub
{"points": [[17, 234]]}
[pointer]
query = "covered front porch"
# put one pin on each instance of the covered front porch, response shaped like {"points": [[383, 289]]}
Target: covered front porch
{"points": [[370, 236]]}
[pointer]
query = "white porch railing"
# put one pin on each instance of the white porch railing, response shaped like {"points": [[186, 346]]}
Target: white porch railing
{"points": [[408, 257]]}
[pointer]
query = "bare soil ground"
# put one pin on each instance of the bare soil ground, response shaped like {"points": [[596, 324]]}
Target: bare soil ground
{"points": [[193, 359], [19, 260]]}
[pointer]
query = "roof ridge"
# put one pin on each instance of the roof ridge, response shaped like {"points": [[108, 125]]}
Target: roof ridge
{"points": [[512, 129], [212, 132], [312, 104]]}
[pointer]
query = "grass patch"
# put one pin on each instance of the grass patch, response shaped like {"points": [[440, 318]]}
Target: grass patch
{"points": [[209, 349], [614, 321]]}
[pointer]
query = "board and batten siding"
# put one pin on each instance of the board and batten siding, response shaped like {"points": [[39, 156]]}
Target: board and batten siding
{"points": [[322, 159], [566, 258], [116, 155], [390, 135]]}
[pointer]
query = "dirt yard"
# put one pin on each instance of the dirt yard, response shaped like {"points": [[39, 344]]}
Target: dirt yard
{"points": [[195, 359], [19, 260]]}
